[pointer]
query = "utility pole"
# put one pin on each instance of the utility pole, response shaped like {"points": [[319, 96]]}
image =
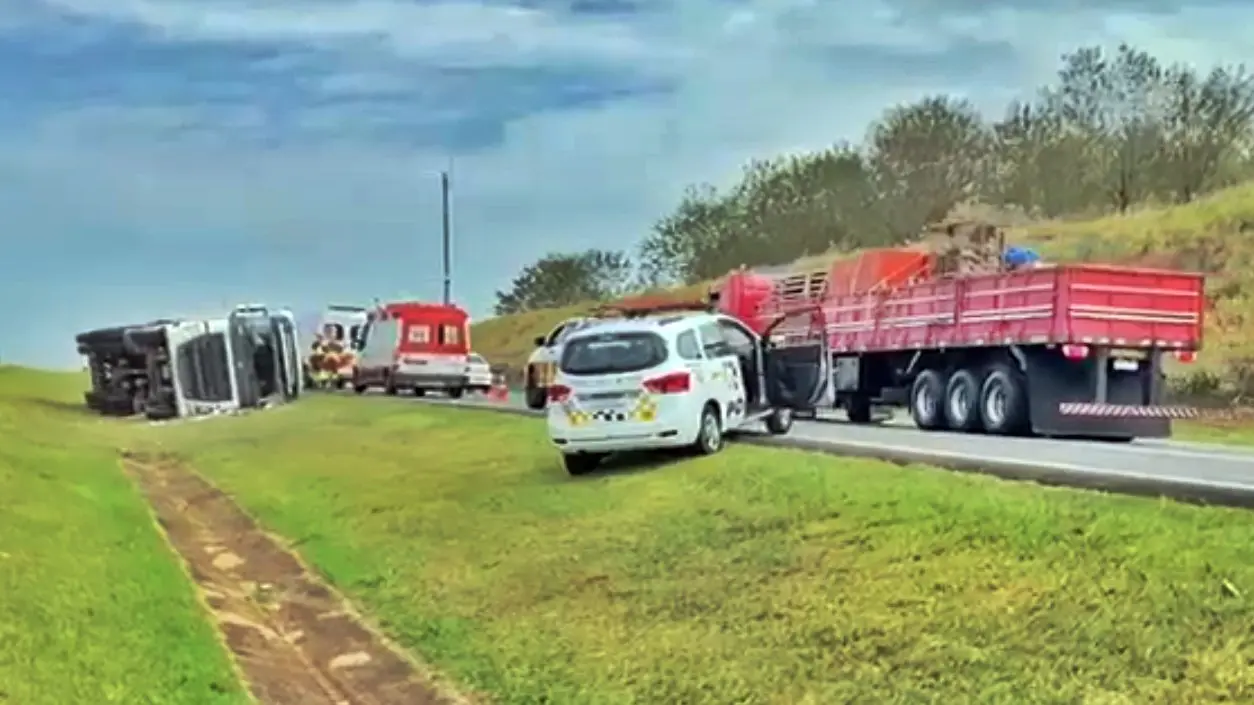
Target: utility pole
{"points": [[448, 275]]}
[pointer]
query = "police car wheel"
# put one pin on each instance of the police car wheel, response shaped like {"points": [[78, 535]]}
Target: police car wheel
{"points": [[582, 463], [710, 437]]}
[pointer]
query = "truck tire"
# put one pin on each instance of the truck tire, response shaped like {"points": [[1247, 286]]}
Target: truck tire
{"points": [[456, 393], [1004, 401], [581, 463], [419, 392], [779, 422], [536, 397], [389, 386], [962, 401], [858, 408], [927, 400]]}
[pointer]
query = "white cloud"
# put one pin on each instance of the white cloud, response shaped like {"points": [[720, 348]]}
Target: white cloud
{"points": [[749, 79]]}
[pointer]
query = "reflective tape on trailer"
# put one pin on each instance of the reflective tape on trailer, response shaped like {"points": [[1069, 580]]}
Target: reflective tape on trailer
{"points": [[1127, 411]]}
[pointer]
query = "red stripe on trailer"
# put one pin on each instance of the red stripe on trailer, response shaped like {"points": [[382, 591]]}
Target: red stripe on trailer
{"points": [[1127, 411]]}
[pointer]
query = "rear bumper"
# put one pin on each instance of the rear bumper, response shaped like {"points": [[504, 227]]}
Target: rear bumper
{"points": [[613, 437], [429, 381]]}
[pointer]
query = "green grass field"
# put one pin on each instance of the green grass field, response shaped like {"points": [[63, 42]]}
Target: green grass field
{"points": [[93, 606], [759, 576]]}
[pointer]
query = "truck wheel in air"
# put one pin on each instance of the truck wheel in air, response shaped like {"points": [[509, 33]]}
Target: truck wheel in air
{"points": [[710, 437], [535, 397], [858, 409], [779, 422], [582, 463], [456, 393], [962, 401], [1004, 401], [927, 400]]}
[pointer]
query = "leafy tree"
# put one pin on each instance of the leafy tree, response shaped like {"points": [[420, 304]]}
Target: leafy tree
{"points": [[1113, 130], [563, 279], [925, 159]]}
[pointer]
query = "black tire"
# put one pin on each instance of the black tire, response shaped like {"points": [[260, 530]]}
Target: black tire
{"points": [[389, 386], [1004, 401], [962, 402], [779, 423], [418, 392], [456, 393], [858, 409], [582, 463], [340, 383], [537, 397], [360, 388], [927, 406], [710, 437]]}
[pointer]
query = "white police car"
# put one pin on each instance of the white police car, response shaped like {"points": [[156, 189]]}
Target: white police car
{"points": [[672, 381]]}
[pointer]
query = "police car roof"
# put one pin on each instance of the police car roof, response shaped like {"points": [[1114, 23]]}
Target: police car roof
{"points": [[635, 324]]}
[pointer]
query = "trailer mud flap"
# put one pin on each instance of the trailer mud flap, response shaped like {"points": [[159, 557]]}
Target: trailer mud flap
{"points": [[1056, 384]]}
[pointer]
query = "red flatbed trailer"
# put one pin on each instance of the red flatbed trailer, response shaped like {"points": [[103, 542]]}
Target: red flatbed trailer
{"points": [[1060, 350]]}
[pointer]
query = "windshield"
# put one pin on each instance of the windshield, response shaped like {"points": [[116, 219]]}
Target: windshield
{"points": [[612, 352]]}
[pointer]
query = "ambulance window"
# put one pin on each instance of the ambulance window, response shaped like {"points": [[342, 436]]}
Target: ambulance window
{"points": [[687, 346], [612, 352], [449, 335], [419, 334]]}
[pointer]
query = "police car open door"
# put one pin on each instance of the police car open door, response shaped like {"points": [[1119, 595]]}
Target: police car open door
{"points": [[796, 360]]}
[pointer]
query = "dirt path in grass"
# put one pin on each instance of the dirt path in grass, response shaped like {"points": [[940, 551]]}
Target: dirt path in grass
{"points": [[295, 640]]}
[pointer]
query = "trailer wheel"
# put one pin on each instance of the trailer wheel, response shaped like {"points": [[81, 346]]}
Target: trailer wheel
{"points": [[1004, 401], [962, 401], [927, 405]]}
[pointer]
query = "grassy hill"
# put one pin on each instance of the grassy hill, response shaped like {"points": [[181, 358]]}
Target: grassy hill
{"points": [[1214, 235]]}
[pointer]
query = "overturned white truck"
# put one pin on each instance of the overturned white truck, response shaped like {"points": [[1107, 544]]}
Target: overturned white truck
{"points": [[183, 368]]}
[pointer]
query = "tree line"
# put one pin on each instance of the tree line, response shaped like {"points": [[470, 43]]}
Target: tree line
{"points": [[1113, 130]]}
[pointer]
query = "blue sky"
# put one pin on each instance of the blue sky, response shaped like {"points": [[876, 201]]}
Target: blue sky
{"points": [[173, 157]]}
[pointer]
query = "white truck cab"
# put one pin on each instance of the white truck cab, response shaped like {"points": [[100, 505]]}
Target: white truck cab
{"points": [[673, 381]]}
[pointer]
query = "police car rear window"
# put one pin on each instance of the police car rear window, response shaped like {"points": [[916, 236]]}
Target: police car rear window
{"points": [[612, 352]]}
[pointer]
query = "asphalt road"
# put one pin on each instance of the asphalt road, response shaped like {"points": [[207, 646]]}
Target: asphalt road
{"points": [[1156, 467]]}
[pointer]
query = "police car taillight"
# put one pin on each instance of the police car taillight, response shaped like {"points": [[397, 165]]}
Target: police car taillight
{"points": [[674, 383], [559, 393]]}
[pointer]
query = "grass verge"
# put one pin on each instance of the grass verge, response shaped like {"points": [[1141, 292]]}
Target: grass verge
{"points": [[759, 576], [93, 607]]}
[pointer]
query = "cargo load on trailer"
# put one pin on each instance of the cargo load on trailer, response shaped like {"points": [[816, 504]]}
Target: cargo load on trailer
{"points": [[415, 346], [983, 341], [182, 368]]}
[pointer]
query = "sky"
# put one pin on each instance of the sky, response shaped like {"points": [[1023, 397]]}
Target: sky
{"points": [[165, 158]]}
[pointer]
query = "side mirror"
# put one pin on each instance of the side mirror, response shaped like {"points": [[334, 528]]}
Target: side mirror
{"points": [[539, 341]]}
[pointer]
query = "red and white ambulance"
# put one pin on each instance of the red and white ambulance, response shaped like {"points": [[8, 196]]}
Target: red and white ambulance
{"points": [[415, 346]]}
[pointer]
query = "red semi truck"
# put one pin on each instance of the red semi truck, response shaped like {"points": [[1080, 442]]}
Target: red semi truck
{"points": [[1055, 350]]}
